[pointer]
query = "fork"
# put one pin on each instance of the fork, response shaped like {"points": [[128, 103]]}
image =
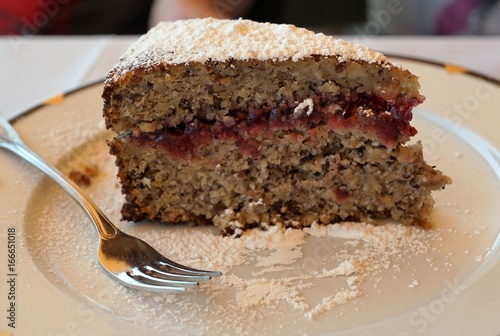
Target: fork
{"points": [[126, 258]]}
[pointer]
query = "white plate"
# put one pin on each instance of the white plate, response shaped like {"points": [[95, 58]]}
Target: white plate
{"points": [[448, 286]]}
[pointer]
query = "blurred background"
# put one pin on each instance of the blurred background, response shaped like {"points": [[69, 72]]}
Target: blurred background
{"points": [[353, 17]]}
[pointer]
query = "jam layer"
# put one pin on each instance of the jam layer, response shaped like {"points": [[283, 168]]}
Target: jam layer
{"points": [[377, 119]]}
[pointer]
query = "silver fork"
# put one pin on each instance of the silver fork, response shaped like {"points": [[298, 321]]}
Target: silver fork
{"points": [[127, 258]]}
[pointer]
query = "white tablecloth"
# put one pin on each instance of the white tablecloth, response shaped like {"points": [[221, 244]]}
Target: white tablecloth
{"points": [[33, 69]]}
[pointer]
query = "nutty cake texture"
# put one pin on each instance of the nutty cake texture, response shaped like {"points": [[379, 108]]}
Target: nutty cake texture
{"points": [[247, 124]]}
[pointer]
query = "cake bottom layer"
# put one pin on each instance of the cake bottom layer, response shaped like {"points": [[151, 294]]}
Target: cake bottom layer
{"points": [[298, 177]]}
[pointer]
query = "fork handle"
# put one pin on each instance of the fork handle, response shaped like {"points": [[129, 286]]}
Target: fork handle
{"points": [[105, 228]]}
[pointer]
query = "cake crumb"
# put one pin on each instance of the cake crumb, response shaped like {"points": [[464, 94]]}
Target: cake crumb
{"points": [[84, 176]]}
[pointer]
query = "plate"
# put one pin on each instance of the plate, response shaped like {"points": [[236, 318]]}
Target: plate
{"points": [[352, 279]]}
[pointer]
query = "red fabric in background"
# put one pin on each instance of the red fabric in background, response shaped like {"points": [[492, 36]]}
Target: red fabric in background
{"points": [[20, 8], [63, 17], [21, 17]]}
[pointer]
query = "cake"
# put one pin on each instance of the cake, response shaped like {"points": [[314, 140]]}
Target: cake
{"points": [[245, 124]]}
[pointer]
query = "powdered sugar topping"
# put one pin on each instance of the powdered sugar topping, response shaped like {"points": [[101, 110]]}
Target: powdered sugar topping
{"points": [[201, 40]]}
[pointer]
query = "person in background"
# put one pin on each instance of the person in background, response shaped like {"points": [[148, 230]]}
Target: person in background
{"points": [[370, 17], [27, 17], [319, 15], [166, 10], [23, 17]]}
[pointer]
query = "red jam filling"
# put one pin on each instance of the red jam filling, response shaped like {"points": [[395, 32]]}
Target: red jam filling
{"points": [[388, 121]]}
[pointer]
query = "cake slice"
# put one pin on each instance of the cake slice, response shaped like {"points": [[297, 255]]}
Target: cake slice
{"points": [[247, 124]]}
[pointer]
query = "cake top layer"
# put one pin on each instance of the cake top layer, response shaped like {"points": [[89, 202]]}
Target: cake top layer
{"points": [[201, 40]]}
